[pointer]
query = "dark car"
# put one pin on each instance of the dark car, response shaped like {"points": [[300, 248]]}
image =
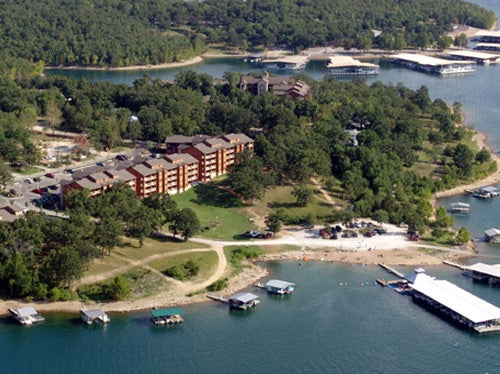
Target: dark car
{"points": [[50, 175], [38, 191], [338, 228], [122, 157], [53, 187]]}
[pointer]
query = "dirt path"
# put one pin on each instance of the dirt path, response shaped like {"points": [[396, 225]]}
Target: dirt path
{"points": [[326, 195]]}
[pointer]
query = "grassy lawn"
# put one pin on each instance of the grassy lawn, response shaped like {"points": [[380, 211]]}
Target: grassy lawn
{"points": [[107, 263], [151, 247], [220, 213], [26, 170], [280, 197], [206, 260]]}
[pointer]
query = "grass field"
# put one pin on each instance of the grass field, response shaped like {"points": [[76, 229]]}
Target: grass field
{"points": [[222, 215]]}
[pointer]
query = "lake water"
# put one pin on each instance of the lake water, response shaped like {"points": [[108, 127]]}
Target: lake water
{"points": [[338, 320]]}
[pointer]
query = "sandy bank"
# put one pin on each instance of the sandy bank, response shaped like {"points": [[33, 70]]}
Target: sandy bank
{"points": [[193, 61]]}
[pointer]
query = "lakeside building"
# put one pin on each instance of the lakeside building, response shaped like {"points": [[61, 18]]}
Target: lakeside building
{"points": [[347, 66], [454, 303], [433, 65], [10, 211], [479, 57], [279, 86], [492, 235], [201, 159]]}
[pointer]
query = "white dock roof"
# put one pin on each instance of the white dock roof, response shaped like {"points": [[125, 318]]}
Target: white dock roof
{"points": [[493, 270], [296, 59], [488, 33], [26, 311], [428, 60], [474, 54], [343, 61], [244, 297], [457, 299], [492, 232], [488, 45], [279, 283]]}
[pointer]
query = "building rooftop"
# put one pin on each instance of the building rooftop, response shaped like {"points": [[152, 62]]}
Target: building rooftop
{"points": [[95, 313], [493, 270], [456, 299], [276, 283], [244, 297], [474, 55], [428, 60], [344, 61], [492, 232]]}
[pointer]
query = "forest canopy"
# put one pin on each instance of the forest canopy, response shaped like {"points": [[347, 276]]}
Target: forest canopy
{"points": [[126, 32]]}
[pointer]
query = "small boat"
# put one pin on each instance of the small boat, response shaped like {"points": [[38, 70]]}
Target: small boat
{"points": [[96, 315], [168, 316]]}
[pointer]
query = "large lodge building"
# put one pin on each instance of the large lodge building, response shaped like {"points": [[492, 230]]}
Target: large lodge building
{"points": [[189, 160]]}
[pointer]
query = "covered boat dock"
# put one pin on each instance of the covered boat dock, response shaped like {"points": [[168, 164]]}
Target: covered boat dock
{"points": [[484, 272], [279, 287], [492, 235], [167, 316], [453, 302], [243, 300], [26, 316], [433, 65], [95, 315], [479, 57], [293, 63], [346, 65]]}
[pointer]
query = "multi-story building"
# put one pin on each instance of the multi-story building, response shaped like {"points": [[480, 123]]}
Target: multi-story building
{"points": [[201, 159], [215, 155]]}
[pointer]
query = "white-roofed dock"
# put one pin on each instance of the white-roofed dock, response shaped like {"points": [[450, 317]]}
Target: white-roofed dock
{"points": [[460, 207], [479, 57], [94, 315], [453, 302], [276, 286], [26, 316], [346, 65], [433, 65]]}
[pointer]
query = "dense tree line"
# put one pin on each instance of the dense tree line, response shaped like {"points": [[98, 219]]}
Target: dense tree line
{"points": [[97, 33], [349, 23], [126, 32], [41, 256]]}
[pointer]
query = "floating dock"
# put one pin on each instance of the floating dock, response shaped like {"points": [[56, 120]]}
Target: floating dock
{"points": [[168, 316], [95, 315], [463, 208], [479, 57], [433, 65], [454, 303], [348, 66], [391, 270], [455, 265], [26, 316], [278, 287]]}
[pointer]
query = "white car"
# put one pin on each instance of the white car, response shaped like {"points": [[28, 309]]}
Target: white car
{"points": [[28, 180]]}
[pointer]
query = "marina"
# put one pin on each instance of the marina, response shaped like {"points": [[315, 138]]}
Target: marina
{"points": [[26, 316], [94, 316], [347, 66], [454, 303], [433, 65], [167, 316], [479, 57], [241, 300], [492, 235]]}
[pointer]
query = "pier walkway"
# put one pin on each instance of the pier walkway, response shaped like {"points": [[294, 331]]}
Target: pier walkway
{"points": [[391, 270]]}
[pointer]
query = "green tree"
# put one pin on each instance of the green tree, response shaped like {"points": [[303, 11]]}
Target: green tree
{"points": [[303, 194], [119, 289], [273, 221], [443, 219], [463, 158], [186, 223], [463, 236], [483, 155]]}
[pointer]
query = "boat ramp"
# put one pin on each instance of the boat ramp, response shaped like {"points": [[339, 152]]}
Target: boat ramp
{"points": [[26, 316]]}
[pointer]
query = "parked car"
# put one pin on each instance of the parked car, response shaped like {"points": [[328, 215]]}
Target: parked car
{"points": [[121, 157], [50, 175], [29, 181], [338, 228], [38, 191], [53, 187], [101, 163]]}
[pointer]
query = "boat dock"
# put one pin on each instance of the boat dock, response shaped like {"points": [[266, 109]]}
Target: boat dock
{"points": [[433, 65], [168, 316], [95, 315], [460, 207], [278, 287], [454, 303], [479, 57], [485, 192], [346, 65], [26, 316], [391, 270]]}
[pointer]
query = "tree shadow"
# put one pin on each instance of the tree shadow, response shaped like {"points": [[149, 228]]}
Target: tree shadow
{"points": [[280, 204], [214, 196]]}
